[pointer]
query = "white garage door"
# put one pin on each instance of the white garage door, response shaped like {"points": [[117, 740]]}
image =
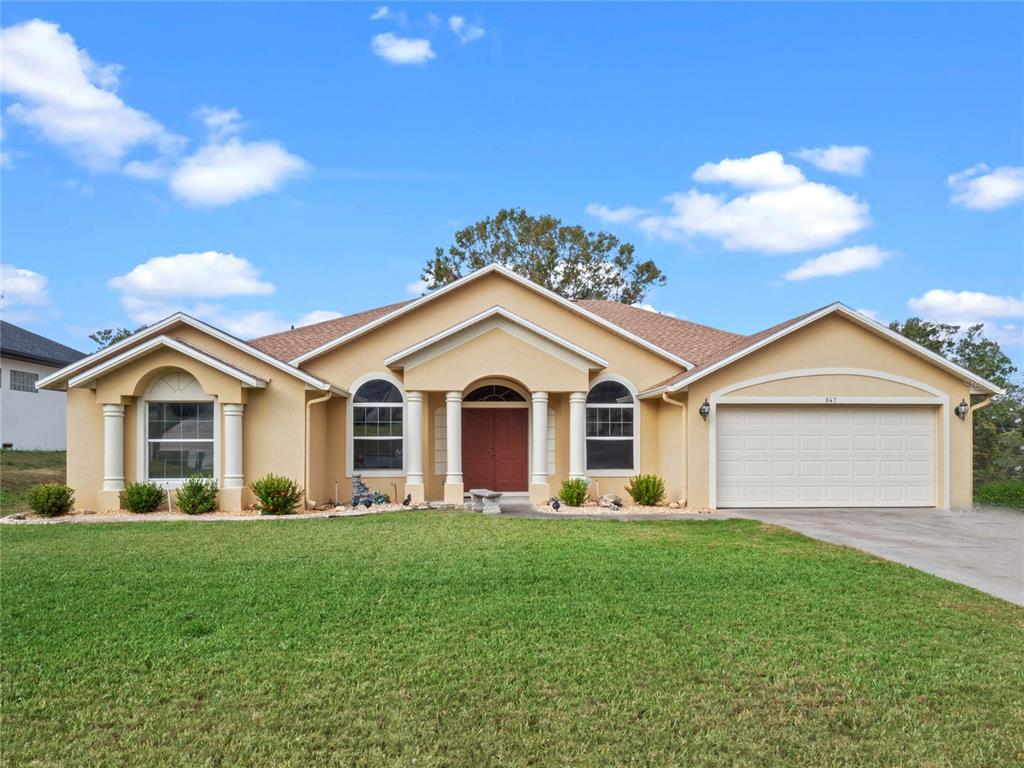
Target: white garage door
{"points": [[825, 456]]}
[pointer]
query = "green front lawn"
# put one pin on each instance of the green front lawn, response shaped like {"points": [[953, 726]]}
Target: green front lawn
{"points": [[20, 470], [453, 639]]}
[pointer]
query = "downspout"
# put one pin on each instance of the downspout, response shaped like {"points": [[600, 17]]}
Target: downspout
{"points": [[987, 400], [686, 440], [309, 407]]}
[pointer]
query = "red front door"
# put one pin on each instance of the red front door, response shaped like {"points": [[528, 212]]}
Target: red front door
{"points": [[494, 448]]}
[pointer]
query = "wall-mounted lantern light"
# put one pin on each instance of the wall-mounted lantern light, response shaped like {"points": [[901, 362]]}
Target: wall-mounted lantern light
{"points": [[705, 409], [962, 410]]}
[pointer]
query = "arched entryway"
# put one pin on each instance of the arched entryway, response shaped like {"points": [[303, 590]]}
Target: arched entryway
{"points": [[495, 437]]}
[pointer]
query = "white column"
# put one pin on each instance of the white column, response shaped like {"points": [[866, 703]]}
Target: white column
{"points": [[453, 418], [539, 474], [577, 434], [453, 490], [113, 447], [233, 474], [414, 440]]}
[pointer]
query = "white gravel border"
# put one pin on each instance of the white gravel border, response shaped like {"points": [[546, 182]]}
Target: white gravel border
{"points": [[87, 516]]}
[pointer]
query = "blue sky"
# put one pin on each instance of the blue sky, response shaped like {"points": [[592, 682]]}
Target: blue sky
{"points": [[255, 163]]}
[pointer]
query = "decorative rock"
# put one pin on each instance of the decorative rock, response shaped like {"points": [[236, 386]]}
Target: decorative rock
{"points": [[590, 503], [673, 505], [362, 496], [609, 500]]}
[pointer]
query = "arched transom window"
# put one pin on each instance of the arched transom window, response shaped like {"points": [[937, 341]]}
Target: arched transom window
{"points": [[377, 426], [179, 429], [610, 427], [494, 393]]}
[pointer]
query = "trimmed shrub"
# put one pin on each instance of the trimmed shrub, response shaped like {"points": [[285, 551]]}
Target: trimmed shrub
{"points": [[142, 498], [646, 490], [51, 499], [1005, 493], [197, 495], [276, 495], [574, 492]]}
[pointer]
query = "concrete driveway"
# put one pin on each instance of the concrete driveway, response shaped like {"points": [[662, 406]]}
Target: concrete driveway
{"points": [[982, 548]]}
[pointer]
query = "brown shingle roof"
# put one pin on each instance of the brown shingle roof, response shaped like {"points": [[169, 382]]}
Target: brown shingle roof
{"points": [[690, 341], [287, 345], [700, 344], [739, 345]]}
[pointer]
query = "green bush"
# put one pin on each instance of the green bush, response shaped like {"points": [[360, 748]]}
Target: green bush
{"points": [[1007, 493], [51, 499], [142, 498], [197, 495], [574, 492], [276, 495], [646, 490]]}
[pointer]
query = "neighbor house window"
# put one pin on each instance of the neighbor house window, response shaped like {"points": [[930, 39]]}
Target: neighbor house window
{"points": [[179, 440], [23, 381], [610, 427], [377, 427]]}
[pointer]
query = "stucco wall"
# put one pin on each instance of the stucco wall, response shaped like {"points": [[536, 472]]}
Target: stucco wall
{"points": [[345, 364], [834, 342], [273, 431]]}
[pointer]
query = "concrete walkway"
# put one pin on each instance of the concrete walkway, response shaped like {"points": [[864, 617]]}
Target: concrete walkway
{"points": [[982, 548]]}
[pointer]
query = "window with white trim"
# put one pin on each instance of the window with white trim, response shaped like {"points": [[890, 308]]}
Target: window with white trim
{"points": [[377, 409], [23, 381], [179, 440], [610, 427]]}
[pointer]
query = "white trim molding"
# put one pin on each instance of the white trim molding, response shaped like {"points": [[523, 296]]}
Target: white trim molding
{"points": [[977, 383], [90, 375], [156, 329], [506, 272], [489, 319], [935, 397]]}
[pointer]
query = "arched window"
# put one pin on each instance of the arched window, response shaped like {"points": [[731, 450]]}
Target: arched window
{"points": [[610, 427], [494, 393], [377, 426], [179, 429]]}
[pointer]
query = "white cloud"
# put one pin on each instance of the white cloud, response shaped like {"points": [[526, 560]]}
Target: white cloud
{"points": [[382, 12], [971, 307], [416, 288], [22, 288], [220, 123], [985, 190], [317, 316], [842, 262], [147, 170], [651, 308], [70, 99], [765, 171], [467, 32], [625, 214], [789, 220], [873, 314], [221, 174], [950, 305], [402, 50], [845, 160], [210, 274]]}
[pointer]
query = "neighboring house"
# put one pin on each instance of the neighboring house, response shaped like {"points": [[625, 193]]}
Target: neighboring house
{"points": [[496, 382], [31, 419]]}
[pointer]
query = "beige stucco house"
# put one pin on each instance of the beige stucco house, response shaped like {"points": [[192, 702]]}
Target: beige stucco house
{"points": [[493, 381]]}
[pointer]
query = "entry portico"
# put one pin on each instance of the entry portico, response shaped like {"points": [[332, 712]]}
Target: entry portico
{"points": [[533, 366]]}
